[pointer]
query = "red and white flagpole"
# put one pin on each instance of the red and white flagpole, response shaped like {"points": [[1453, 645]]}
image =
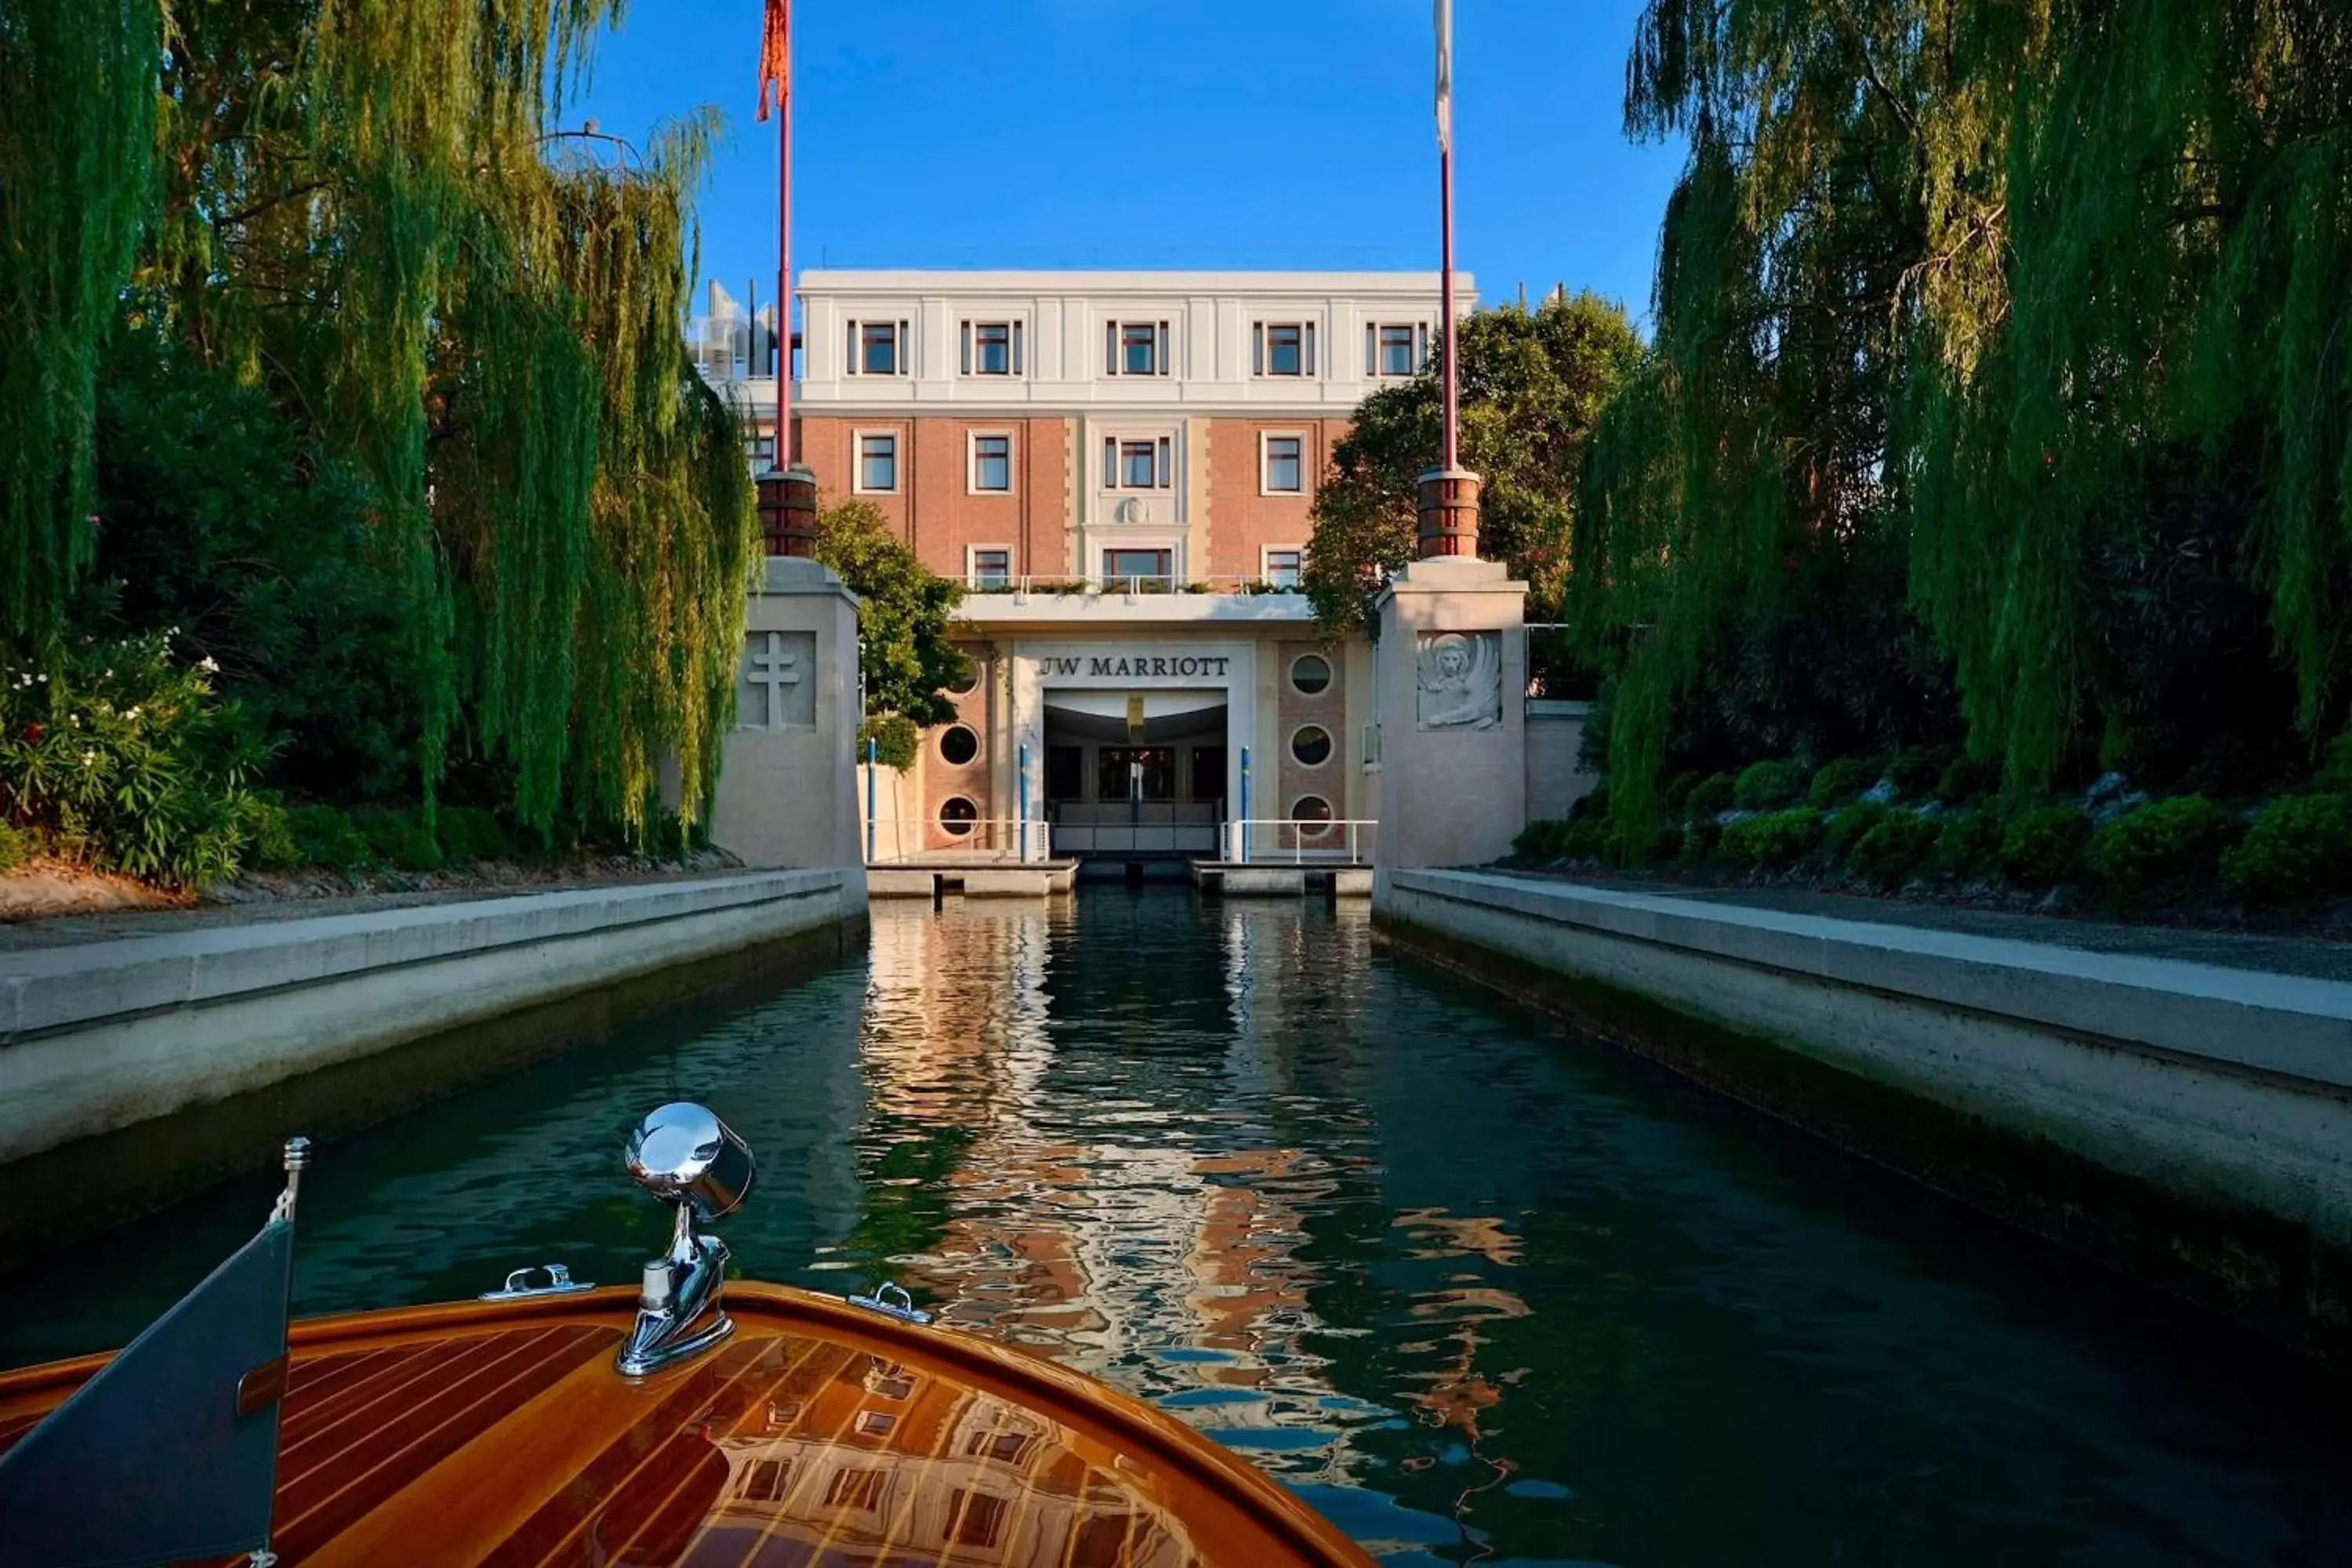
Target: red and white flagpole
{"points": [[775, 75]]}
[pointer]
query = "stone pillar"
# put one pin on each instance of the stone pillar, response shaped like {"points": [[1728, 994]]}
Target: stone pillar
{"points": [[788, 511], [788, 789], [1451, 659]]}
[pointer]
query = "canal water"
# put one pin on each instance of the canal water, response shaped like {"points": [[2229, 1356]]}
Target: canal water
{"points": [[1483, 1290]]}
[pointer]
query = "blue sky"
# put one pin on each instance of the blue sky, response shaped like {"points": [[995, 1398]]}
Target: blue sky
{"points": [[1161, 133]]}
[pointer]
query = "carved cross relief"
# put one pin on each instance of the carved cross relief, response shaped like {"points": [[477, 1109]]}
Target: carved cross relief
{"points": [[776, 689]]}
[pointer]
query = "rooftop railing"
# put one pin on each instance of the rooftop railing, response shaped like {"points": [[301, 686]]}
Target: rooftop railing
{"points": [[1132, 585]]}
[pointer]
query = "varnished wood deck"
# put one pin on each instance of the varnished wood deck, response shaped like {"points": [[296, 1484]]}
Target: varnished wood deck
{"points": [[818, 1435]]}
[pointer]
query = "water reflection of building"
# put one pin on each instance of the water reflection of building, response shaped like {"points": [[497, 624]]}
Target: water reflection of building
{"points": [[1111, 1235]]}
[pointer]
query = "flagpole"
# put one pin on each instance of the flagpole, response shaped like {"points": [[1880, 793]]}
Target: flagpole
{"points": [[784, 443], [1446, 209]]}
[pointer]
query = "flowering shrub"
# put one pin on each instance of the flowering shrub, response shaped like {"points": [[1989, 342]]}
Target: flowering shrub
{"points": [[118, 754]]}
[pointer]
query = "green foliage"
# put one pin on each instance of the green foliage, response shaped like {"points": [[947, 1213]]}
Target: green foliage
{"points": [[270, 835], [1712, 795], [1772, 840], [2042, 846], [1841, 780], [2298, 850], [471, 833], [895, 741], [2334, 774], [1534, 839], [1917, 773], [1846, 827], [1897, 847], [398, 839], [2046, 303], [323, 835], [120, 752], [15, 847], [1970, 845], [1965, 779], [2165, 845], [902, 617], [1533, 383], [1765, 785], [76, 187]]}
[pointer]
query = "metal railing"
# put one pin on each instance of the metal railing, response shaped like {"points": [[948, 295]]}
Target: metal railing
{"points": [[1133, 586], [904, 839], [1301, 841]]}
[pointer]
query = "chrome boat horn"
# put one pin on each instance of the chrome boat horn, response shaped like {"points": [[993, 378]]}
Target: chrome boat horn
{"points": [[685, 1156]]}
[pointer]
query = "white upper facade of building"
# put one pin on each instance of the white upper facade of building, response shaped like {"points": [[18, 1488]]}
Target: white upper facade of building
{"points": [[1239, 343]]}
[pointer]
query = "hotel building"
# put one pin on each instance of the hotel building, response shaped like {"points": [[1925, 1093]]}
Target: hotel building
{"points": [[1120, 467]]}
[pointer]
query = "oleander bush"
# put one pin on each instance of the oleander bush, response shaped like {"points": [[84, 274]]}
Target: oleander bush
{"points": [[2042, 846], [1769, 786], [15, 847], [1773, 839], [1843, 781], [1897, 847], [2167, 844], [1846, 828], [2298, 850]]}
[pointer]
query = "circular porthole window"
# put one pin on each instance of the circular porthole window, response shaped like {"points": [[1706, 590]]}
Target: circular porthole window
{"points": [[1310, 674], [1313, 814], [967, 682], [957, 815], [1311, 746], [957, 745]]}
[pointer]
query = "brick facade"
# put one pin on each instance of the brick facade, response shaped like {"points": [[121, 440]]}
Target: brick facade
{"points": [[935, 508]]}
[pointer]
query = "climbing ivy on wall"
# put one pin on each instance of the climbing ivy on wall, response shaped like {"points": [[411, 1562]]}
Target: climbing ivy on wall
{"points": [[1990, 283]]}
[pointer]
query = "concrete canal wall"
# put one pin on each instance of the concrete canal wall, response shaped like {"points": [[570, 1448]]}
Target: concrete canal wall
{"points": [[97, 1037], [2188, 1123]]}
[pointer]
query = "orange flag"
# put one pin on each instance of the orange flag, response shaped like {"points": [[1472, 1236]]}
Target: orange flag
{"points": [[775, 55]]}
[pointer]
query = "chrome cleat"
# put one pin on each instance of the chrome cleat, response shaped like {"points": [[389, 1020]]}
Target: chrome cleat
{"points": [[685, 1156]]}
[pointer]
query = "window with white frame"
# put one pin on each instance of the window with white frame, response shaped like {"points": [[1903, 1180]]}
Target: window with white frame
{"points": [[879, 348], [1283, 566], [1395, 348], [1285, 464], [1135, 347], [991, 464], [1282, 348], [1138, 462], [989, 566], [877, 462], [993, 348]]}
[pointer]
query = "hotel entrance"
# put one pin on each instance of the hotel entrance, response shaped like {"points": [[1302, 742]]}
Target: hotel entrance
{"points": [[1135, 776]]}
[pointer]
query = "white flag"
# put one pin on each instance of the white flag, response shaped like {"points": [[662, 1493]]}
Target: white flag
{"points": [[1446, 76]]}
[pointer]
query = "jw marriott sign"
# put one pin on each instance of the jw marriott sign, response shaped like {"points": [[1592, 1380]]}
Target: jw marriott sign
{"points": [[1136, 667]]}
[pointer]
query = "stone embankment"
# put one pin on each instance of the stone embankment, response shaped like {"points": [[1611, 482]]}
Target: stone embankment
{"points": [[101, 1040], [2188, 1122]]}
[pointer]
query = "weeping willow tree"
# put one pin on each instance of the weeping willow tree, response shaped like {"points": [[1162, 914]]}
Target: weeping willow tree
{"points": [[1961, 275], [77, 80], [366, 211]]}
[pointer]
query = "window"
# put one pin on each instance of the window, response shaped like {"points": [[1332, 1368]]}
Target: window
{"points": [[958, 745], [1285, 464], [1005, 1447], [1102, 1542], [1153, 565], [1208, 773], [1065, 772], [854, 1489], [1150, 772], [875, 1423], [1395, 348], [967, 675], [1135, 347], [1314, 814], [992, 464], [1310, 675], [991, 568], [1132, 463], [1285, 566], [992, 348], [1310, 745], [877, 348], [764, 1480], [877, 464], [957, 815], [1282, 348]]}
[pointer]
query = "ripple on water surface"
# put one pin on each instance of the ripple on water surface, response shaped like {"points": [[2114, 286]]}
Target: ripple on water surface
{"points": [[1483, 1291]]}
